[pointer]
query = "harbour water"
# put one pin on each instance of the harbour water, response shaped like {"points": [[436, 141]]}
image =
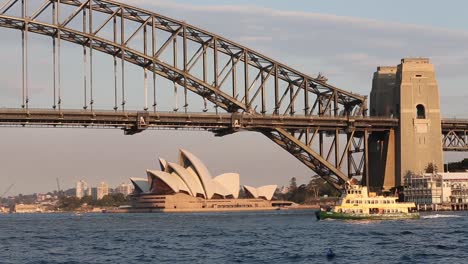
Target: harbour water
{"points": [[251, 237]]}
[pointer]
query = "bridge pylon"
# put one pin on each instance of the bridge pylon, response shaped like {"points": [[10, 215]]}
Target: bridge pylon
{"points": [[410, 93]]}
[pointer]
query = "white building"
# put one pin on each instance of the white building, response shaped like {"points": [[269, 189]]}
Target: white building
{"points": [[439, 188], [190, 176], [124, 188], [81, 189], [100, 191]]}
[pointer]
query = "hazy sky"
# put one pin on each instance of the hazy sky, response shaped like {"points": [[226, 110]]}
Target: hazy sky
{"points": [[346, 40]]}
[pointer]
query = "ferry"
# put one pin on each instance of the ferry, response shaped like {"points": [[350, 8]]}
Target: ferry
{"points": [[356, 203]]}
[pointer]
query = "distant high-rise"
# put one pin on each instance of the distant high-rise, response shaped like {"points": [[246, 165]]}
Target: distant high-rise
{"points": [[100, 191], [124, 188], [81, 189]]}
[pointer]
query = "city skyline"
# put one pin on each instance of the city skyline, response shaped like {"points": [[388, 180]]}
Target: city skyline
{"points": [[346, 45]]}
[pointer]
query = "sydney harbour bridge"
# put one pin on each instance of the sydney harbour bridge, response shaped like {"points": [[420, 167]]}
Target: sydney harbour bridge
{"points": [[190, 79]]}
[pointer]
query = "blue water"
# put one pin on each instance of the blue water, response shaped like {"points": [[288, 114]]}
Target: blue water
{"points": [[268, 237]]}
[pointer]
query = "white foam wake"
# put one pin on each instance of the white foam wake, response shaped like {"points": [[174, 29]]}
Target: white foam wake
{"points": [[440, 216]]}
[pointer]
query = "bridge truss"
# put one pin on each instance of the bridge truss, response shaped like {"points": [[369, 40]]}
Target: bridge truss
{"points": [[455, 134], [304, 115]]}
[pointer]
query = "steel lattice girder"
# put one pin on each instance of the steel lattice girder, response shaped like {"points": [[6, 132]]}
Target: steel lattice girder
{"points": [[455, 141], [455, 134], [330, 101], [328, 98], [328, 161]]}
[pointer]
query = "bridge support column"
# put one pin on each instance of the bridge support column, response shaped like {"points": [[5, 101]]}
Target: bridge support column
{"points": [[382, 160], [410, 93]]}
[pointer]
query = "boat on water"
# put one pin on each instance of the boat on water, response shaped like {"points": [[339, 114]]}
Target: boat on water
{"points": [[356, 203]]}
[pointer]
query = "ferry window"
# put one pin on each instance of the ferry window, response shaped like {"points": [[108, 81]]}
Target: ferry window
{"points": [[347, 201], [420, 112]]}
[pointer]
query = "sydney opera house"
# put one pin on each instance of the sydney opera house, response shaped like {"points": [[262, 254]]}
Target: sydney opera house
{"points": [[189, 186]]}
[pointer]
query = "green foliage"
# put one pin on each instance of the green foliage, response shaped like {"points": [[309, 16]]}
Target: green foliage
{"points": [[117, 199], [69, 203], [293, 184], [317, 187], [431, 168], [73, 203], [460, 166], [87, 200]]}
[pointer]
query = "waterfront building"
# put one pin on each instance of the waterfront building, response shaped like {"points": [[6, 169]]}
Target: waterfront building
{"points": [[438, 188], [81, 189], [188, 185], [27, 208]]}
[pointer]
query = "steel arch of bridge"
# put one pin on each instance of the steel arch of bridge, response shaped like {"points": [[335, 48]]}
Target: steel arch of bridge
{"points": [[293, 92]]}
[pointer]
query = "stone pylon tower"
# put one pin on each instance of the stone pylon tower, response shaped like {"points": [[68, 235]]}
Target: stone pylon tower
{"points": [[408, 92]]}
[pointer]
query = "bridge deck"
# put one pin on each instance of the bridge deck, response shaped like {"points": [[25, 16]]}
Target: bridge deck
{"points": [[161, 120]]}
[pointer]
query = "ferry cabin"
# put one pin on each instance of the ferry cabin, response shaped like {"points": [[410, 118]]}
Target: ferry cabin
{"points": [[356, 200]]}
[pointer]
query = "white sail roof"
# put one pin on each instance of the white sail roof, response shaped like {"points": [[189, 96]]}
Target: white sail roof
{"points": [[265, 192], [192, 181], [192, 177], [187, 160], [140, 184], [172, 180], [230, 181], [219, 189], [163, 164], [251, 190]]}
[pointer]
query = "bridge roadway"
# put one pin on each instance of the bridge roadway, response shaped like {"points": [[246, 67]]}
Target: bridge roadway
{"points": [[170, 120], [160, 120]]}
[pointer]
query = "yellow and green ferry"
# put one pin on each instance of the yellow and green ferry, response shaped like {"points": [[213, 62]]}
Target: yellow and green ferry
{"points": [[356, 203]]}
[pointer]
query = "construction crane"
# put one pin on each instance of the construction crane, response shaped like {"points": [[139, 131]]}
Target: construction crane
{"points": [[7, 190], [59, 191]]}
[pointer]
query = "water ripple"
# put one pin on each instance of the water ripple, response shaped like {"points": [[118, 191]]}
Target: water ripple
{"points": [[270, 237]]}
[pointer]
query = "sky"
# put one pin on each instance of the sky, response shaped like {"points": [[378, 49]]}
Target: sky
{"points": [[345, 40]]}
